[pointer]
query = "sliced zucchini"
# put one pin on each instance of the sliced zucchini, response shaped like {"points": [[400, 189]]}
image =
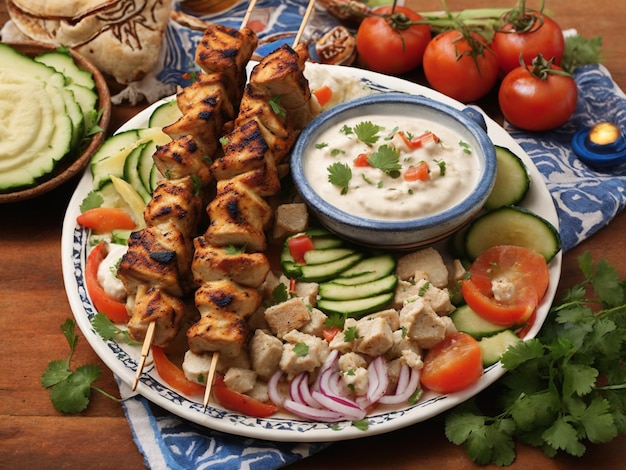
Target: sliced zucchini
{"points": [[165, 114], [493, 347], [368, 270], [512, 180], [64, 62], [333, 291], [468, 321], [356, 308], [512, 225]]}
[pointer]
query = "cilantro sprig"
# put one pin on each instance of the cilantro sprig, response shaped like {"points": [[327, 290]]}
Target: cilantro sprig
{"points": [[340, 175], [70, 390], [565, 388]]}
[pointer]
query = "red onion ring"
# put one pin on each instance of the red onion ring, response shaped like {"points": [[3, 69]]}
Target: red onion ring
{"points": [[314, 414], [378, 380], [272, 388], [403, 395]]}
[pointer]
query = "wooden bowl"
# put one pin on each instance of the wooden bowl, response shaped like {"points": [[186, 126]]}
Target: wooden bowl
{"points": [[67, 168]]}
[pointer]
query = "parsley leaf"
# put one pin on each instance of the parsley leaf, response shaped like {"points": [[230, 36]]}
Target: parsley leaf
{"points": [[387, 159], [301, 349], [367, 132], [566, 387], [92, 200], [340, 175], [108, 330], [70, 390]]}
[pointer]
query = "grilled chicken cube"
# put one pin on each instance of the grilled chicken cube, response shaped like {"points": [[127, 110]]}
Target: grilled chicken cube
{"points": [[183, 157], [159, 257], [151, 304], [225, 295], [225, 332], [174, 201], [238, 216], [227, 50], [212, 263], [207, 88], [239, 379], [265, 353], [286, 316]]}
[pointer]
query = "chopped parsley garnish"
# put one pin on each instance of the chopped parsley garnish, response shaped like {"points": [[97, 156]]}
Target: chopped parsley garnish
{"points": [[277, 107], [301, 349], [465, 147], [335, 152], [350, 334], [321, 145], [442, 167], [92, 200], [340, 175]]}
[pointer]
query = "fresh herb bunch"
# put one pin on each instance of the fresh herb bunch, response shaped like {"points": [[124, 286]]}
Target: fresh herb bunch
{"points": [[565, 388], [70, 390]]}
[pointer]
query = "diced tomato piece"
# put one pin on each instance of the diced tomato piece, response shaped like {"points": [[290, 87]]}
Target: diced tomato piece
{"points": [[418, 172], [236, 401], [416, 142], [298, 246], [173, 375], [506, 283], [362, 160], [330, 333], [453, 364], [323, 94], [105, 219], [108, 305]]}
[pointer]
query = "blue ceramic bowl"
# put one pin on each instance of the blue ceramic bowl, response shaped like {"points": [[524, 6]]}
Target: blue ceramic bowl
{"points": [[404, 234]]}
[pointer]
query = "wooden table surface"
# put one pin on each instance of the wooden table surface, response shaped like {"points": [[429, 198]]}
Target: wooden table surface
{"points": [[33, 305]]}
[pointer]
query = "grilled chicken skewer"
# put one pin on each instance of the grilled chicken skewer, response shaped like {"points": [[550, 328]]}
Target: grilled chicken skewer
{"points": [[156, 270]]}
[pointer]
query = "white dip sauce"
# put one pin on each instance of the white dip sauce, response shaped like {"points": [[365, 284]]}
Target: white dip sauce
{"points": [[377, 194], [107, 272]]}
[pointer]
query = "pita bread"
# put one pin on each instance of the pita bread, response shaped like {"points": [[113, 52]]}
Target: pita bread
{"points": [[122, 37], [62, 8]]}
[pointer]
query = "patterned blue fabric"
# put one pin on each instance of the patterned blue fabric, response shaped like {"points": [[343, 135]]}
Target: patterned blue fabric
{"points": [[586, 199]]}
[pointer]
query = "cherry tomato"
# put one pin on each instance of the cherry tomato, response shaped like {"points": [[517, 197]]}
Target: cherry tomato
{"points": [[173, 375], [537, 97], [460, 65], [387, 42], [453, 364], [506, 283], [528, 35], [298, 246], [236, 401], [104, 303], [105, 219]]}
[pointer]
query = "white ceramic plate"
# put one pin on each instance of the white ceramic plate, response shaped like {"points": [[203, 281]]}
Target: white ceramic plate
{"points": [[122, 359]]}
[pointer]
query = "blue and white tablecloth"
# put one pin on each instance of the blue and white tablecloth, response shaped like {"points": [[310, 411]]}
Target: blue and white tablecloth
{"points": [[586, 200]]}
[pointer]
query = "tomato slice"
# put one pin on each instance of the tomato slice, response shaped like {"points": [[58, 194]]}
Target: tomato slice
{"points": [[105, 219], [418, 172], [453, 364], [236, 401], [298, 246], [506, 283], [110, 306], [173, 375]]}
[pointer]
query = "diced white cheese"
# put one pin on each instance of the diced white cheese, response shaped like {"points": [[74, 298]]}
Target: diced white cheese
{"points": [[503, 290], [107, 272]]}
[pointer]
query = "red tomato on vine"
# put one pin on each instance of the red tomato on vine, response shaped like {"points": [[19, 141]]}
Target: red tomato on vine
{"points": [[527, 34], [538, 97], [460, 65], [389, 41]]}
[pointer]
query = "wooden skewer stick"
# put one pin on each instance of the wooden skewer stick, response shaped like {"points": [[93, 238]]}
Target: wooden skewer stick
{"points": [[211, 375], [145, 350], [305, 20], [246, 17]]}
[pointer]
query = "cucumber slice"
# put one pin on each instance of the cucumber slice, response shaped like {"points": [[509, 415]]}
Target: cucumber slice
{"points": [[326, 271], [512, 180], [155, 177], [165, 114], [328, 255], [494, 346], [121, 236], [356, 308], [64, 62], [368, 270], [333, 291], [145, 165], [468, 321], [131, 172], [512, 225]]}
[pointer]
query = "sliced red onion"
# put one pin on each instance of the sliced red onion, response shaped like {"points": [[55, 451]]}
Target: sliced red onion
{"points": [[341, 405], [314, 414], [272, 388], [305, 392], [403, 395], [378, 380]]}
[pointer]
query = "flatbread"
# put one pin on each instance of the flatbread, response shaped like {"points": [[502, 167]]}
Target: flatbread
{"points": [[122, 39], [62, 8]]}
